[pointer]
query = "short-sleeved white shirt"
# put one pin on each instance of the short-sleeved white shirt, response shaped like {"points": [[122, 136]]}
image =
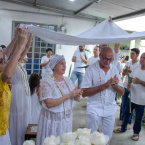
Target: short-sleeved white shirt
{"points": [[92, 60], [138, 90], [46, 68], [132, 67], [79, 62], [106, 104]]}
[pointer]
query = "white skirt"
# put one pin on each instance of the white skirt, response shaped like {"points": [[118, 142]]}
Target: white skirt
{"points": [[5, 139], [53, 124], [20, 112]]}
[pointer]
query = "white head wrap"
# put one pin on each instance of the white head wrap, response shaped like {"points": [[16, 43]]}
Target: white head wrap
{"points": [[0, 48], [54, 60]]}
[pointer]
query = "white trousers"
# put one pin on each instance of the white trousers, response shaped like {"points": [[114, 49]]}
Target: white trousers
{"points": [[45, 74], [93, 121], [5, 139]]}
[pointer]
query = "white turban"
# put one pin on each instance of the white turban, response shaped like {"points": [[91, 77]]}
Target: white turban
{"points": [[0, 48], [54, 60]]}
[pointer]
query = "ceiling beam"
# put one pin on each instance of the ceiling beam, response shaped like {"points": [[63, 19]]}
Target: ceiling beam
{"points": [[130, 14], [65, 13], [85, 7]]}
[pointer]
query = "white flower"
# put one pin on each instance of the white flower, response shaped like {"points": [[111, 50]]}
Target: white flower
{"points": [[70, 136], [52, 140], [83, 131], [84, 140], [29, 142], [99, 138], [74, 142], [49, 141]]}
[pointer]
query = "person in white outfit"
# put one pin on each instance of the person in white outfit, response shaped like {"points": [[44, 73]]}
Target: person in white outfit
{"points": [[20, 109], [101, 82], [7, 68], [57, 96], [94, 58], [34, 83], [46, 70]]}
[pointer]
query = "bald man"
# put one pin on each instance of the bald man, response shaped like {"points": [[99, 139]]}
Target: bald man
{"points": [[101, 82], [137, 99]]}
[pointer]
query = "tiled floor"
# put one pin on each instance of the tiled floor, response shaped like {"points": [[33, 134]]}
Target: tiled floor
{"points": [[79, 121]]}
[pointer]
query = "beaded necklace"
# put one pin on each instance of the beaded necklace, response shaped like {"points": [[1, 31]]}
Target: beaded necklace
{"points": [[23, 79], [71, 100], [101, 83]]}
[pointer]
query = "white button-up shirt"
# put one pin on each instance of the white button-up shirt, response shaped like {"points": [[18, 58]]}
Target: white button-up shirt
{"points": [[103, 105], [138, 90]]}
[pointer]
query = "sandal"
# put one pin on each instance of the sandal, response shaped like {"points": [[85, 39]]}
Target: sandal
{"points": [[135, 137], [118, 130]]}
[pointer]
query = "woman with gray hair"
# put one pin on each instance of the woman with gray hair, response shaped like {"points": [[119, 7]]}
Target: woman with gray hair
{"points": [[57, 96]]}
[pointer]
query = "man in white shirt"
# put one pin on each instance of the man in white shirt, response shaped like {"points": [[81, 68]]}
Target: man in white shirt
{"points": [[46, 70], [101, 82], [137, 99], [130, 65], [94, 58], [80, 59]]}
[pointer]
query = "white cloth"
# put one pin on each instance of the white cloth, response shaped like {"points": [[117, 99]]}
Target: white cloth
{"points": [[138, 90], [54, 121], [5, 139], [54, 60], [46, 70], [92, 60], [20, 109], [35, 108], [103, 33], [132, 67], [79, 62]]}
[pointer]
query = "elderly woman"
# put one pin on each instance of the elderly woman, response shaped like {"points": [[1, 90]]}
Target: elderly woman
{"points": [[57, 96], [6, 71]]}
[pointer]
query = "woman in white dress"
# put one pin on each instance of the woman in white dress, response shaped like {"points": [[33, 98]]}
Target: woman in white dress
{"points": [[34, 83], [7, 68], [57, 96], [20, 109]]}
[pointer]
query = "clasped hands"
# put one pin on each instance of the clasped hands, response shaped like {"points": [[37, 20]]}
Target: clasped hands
{"points": [[76, 93], [112, 81]]}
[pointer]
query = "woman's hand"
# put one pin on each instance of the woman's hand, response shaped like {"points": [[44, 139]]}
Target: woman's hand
{"points": [[75, 93]]}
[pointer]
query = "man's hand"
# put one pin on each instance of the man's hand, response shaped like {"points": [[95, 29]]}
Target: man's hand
{"points": [[136, 81], [74, 58], [115, 80], [81, 57], [128, 87], [128, 68]]}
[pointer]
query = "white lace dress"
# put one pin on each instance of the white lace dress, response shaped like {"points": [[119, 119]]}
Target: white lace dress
{"points": [[56, 120], [20, 106], [35, 108]]}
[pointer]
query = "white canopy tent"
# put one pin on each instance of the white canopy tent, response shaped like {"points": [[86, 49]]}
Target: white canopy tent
{"points": [[104, 33]]}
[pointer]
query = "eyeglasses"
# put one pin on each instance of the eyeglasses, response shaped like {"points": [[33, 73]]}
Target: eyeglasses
{"points": [[106, 59]]}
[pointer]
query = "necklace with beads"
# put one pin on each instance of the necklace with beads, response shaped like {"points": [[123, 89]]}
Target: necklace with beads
{"points": [[101, 84], [23, 78], [71, 100]]}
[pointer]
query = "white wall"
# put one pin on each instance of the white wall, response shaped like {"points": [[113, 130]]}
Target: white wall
{"points": [[74, 26]]}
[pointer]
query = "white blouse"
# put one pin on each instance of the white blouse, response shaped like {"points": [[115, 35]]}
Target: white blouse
{"points": [[49, 89]]}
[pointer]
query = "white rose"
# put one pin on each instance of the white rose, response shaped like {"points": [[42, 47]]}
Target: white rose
{"points": [[84, 131], [70, 136], [49, 141], [103, 139], [55, 139], [84, 140], [29, 142]]}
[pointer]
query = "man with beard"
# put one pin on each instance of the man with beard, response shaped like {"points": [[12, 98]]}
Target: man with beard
{"points": [[80, 59]]}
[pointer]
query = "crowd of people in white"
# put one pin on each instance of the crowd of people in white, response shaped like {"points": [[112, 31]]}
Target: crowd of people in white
{"points": [[48, 100]]}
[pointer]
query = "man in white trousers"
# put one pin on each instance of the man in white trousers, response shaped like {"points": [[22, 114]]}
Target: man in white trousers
{"points": [[101, 83]]}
